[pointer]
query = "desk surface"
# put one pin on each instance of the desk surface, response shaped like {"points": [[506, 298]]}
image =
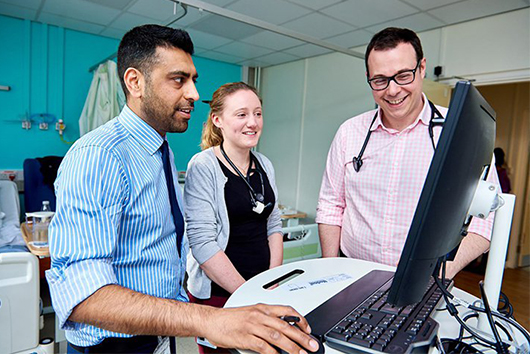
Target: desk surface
{"points": [[306, 299], [37, 251]]}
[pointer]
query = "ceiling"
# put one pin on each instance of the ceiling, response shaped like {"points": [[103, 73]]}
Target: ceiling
{"points": [[344, 23]]}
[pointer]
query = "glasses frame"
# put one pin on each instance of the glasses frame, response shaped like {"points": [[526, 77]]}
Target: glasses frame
{"points": [[393, 78]]}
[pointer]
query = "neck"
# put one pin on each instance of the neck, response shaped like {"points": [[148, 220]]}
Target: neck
{"points": [[240, 157]]}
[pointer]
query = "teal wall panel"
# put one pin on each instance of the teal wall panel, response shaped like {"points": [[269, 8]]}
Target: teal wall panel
{"points": [[47, 69]]}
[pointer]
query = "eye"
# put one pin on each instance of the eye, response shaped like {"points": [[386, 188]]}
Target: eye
{"points": [[258, 114], [381, 81], [179, 80], [242, 115]]}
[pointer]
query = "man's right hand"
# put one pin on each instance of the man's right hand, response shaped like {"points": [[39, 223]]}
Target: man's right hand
{"points": [[258, 328]]}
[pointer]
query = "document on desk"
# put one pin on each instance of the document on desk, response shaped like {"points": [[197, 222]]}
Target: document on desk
{"points": [[317, 282]]}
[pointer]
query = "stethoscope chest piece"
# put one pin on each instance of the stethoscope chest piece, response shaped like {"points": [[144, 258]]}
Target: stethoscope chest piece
{"points": [[258, 207], [357, 163]]}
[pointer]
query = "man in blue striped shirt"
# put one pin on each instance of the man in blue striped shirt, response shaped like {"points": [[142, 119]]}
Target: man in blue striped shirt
{"points": [[116, 278]]}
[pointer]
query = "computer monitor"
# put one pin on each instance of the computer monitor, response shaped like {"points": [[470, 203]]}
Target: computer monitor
{"points": [[463, 154]]}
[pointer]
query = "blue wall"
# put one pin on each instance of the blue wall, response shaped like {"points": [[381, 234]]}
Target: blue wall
{"points": [[47, 70]]}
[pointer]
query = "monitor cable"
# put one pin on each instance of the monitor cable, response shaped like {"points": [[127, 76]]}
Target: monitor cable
{"points": [[498, 345]]}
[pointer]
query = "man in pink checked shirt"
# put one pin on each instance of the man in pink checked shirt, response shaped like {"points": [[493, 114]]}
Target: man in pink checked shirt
{"points": [[378, 162]]}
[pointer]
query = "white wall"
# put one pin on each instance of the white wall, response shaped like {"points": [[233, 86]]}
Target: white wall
{"points": [[306, 101]]}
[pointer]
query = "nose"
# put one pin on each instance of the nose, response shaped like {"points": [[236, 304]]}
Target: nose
{"points": [[393, 88], [252, 120], [191, 92]]}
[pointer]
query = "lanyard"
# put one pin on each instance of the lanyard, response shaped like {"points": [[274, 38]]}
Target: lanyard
{"points": [[256, 198], [436, 120]]}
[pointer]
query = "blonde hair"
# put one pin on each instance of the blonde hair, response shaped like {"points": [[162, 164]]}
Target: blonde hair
{"points": [[211, 135]]}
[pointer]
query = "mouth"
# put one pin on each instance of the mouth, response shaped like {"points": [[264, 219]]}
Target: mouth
{"points": [[396, 102], [186, 111], [250, 133]]}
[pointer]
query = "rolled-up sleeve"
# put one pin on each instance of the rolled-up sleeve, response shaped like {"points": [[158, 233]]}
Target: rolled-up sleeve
{"points": [[332, 201], [201, 205], [91, 190], [484, 227]]}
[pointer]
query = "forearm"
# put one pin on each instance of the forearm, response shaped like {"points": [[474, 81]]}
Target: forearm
{"points": [[221, 271], [276, 249], [472, 246], [329, 239], [123, 310]]}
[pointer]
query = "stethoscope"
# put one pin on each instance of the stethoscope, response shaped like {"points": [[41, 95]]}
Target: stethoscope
{"points": [[437, 120], [257, 199]]}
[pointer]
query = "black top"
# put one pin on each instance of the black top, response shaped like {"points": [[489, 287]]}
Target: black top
{"points": [[248, 247]]}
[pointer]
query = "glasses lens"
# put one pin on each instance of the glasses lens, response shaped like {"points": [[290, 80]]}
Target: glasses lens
{"points": [[379, 83], [405, 78]]}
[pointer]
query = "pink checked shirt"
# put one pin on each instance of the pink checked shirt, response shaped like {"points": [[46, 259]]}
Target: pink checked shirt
{"points": [[375, 206]]}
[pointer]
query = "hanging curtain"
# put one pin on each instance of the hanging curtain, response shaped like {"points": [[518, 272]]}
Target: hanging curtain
{"points": [[105, 98]]}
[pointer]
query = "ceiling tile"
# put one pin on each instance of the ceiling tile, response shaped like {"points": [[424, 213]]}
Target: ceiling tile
{"points": [[418, 23], [225, 27], [220, 3], [362, 13], [115, 4], [471, 9], [272, 11], [221, 57], [253, 63], [272, 40], [66, 22], [318, 25], [193, 15], [30, 4], [113, 32], [17, 11], [243, 50], [315, 4], [157, 9], [126, 21], [206, 40], [81, 10], [351, 39], [307, 50], [277, 58], [429, 4]]}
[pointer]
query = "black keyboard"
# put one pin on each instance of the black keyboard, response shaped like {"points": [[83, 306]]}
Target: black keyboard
{"points": [[375, 326]]}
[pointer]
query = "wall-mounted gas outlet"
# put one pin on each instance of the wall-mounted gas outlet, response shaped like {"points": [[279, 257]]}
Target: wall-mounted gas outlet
{"points": [[16, 176]]}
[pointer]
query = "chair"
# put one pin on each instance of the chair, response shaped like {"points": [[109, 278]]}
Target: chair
{"points": [[39, 175]]}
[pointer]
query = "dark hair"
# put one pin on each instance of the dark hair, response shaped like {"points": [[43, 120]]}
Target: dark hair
{"points": [[211, 135], [138, 47], [499, 156], [389, 38]]}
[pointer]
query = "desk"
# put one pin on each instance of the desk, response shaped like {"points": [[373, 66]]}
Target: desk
{"points": [[292, 218], [305, 300]]}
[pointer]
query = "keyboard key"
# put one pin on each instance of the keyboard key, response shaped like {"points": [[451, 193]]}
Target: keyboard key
{"points": [[359, 341], [390, 309]]}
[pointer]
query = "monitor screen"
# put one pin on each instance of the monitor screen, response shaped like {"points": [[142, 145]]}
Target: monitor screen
{"points": [[464, 151]]}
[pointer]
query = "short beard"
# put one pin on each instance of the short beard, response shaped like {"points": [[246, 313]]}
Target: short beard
{"points": [[155, 111]]}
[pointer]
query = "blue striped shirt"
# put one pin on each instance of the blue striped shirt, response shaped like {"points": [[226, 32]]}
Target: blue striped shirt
{"points": [[113, 222]]}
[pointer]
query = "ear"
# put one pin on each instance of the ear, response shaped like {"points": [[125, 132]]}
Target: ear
{"points": [[134, 80], [423, 66], [216, 120]]}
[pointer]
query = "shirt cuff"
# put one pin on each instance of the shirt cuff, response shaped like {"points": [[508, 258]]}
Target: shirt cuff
{"points": [[69, 286]]}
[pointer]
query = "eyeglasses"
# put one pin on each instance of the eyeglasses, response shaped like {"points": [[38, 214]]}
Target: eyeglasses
{"points": [[402, 78]]}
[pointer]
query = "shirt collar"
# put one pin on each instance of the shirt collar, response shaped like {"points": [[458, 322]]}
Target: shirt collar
{"points": [[142, 132], [424, 117]]}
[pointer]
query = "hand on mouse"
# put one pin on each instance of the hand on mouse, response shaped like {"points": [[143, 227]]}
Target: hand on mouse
{"points": [[259, 328]]}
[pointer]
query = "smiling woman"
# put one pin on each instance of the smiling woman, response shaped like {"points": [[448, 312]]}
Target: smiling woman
{"points": [[232, 215]]}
